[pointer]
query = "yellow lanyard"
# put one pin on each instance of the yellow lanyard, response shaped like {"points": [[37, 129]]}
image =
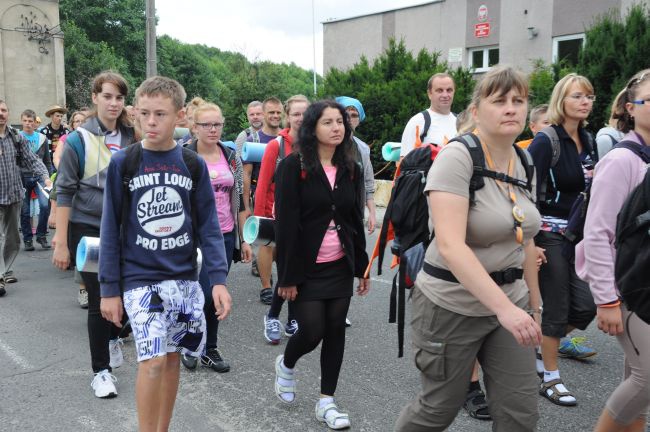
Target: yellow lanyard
{"points": [[517, 213]]}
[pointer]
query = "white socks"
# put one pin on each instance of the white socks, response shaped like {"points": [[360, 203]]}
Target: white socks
{"points": [[552, 375], [339, 423], [539, 363], [288, 397]]}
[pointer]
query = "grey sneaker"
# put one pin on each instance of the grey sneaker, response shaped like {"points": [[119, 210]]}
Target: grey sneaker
{"points": [[29, 245], [189, 362], [82, 298], [9, 277], [272, 330], [291, 328]]}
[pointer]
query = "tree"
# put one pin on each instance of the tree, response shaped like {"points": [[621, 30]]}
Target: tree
{"points": [[392, 90], [614, 51]]}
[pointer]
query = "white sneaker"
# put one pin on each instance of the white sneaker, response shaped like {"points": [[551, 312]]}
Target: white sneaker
{"points": [[115, 350], [104, 384]]}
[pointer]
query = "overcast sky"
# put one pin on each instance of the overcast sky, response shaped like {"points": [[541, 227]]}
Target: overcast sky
{"points": [[280, 30]]}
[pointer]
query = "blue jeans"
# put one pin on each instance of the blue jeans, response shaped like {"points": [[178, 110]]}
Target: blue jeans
{"points": [[211, 321], [31, 183]]}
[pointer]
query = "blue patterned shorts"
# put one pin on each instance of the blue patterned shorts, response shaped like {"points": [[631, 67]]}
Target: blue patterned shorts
{"points": [[167, 317]]}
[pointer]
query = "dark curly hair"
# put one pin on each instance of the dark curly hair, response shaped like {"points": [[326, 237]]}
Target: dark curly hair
{"points": [[308, 143]]}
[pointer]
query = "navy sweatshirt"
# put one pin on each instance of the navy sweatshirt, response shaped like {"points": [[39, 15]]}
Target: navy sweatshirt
{"points": [[159, 233]]}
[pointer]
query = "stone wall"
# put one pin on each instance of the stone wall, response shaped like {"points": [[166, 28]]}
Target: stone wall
{"points": [[31, 56]]}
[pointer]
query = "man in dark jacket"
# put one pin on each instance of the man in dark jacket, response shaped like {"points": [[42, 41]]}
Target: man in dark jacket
{"points": [[38, 144]]}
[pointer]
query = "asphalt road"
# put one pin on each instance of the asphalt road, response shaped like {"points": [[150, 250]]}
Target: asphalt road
{"points": [[45, 368]]}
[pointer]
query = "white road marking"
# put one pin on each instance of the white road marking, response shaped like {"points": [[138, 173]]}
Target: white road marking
{"points": [[14, 356]]}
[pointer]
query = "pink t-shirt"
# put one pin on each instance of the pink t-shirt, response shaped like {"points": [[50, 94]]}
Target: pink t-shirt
{"points": [[222, 182], [330, 249]]}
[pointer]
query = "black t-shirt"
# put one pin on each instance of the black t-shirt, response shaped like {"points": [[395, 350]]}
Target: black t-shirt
{"points": [[54, 134]]}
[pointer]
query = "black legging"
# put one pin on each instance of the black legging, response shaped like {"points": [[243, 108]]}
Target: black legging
{"points": [[276, 306], [100, 331], [320, 320]]}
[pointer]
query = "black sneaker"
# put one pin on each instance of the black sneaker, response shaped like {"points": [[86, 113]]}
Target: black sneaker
{"points": [[214, 361], [189, 361], [266, 296], [29, 245], [43, 242]]}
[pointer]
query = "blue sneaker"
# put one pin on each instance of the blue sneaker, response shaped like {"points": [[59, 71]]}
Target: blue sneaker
{"points": [[272, 330], [291, 328], [573, 348]]}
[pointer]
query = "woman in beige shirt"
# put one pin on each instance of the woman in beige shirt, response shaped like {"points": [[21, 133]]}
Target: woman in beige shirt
{"points": [[478, 305]]}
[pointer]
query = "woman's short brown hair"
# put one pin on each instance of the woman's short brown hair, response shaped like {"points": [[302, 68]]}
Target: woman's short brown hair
{"points": [[556, 113], [500, 80]]}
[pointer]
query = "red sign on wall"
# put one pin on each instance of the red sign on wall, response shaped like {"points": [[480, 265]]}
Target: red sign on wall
{"points": [[482, 30]]}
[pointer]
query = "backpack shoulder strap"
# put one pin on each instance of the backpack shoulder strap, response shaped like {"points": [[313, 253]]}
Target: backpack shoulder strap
{"points": [[74, 141], [592, 148], [192, 161], [529, 166], [634, 148], [281, 150], [427, 125], [473, 145], [551, 133]]}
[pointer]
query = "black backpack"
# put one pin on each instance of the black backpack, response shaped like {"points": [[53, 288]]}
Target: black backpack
{"points": [[15, 138], [130, 169], [632, 266], [408, 213]]}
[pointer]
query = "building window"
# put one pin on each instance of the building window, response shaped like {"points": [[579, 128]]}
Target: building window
{"points": [[567, 48], [482, 59]]}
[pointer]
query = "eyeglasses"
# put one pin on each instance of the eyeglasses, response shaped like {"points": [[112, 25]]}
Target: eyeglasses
{"points": [[353, 115], [578, 97], [641, 102], [209, 126]]}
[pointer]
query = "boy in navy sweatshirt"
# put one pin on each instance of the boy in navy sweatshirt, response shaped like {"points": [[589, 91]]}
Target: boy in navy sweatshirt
{"points": [[154, 266]]}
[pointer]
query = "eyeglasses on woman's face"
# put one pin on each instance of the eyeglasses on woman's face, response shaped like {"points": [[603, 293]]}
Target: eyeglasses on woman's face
{"points": [[579, 97], [209, 126]]}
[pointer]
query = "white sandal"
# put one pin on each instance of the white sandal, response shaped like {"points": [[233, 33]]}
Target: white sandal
{"points": [[330, 414], [280, 389]]}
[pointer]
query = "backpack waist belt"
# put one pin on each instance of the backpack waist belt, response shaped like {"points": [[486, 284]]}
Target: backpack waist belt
{"points": [[502, 277]]}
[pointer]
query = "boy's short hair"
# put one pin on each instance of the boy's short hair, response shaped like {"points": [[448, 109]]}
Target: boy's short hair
{"points": [[162, 86], [28, 113], [537, 112]]}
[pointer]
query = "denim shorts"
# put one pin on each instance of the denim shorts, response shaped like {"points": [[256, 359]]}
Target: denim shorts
{"points": [[167, 317]]}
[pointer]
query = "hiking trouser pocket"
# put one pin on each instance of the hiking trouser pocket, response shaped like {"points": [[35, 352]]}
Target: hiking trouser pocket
{"points": [[431, 361]]}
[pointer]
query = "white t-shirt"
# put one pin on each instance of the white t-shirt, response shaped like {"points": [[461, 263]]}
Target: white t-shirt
{"points": [[443, 128]]}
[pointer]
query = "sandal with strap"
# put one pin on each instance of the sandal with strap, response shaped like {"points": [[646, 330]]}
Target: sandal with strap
{"points": [[331, 415], [284, 389], [556, 395], [476, 405]]}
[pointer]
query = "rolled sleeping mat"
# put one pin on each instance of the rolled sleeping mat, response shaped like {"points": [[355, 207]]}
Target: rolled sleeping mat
{"points": [[180, 132], [252, 152], [391, 151], [259, 231], [87, 259], [230, 144]]}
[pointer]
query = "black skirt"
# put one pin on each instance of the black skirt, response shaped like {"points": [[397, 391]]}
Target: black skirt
{"points": [[327, 281]]}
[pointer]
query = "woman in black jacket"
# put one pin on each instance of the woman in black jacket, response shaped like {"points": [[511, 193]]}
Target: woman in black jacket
{"points": [[561, 178], [320, 248]]}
